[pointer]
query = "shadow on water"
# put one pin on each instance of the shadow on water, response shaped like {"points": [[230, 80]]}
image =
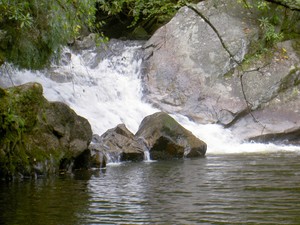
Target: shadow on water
{"points": [[50, 200]]}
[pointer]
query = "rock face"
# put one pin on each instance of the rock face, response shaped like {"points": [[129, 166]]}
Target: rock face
{"points": [[119, 144], [159, 134], [288, 137], [186, 62], [188, 70], [165, 138], [37, 136]]}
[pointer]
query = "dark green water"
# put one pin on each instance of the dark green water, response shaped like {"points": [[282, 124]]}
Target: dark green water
{"points": [[219, 189]]}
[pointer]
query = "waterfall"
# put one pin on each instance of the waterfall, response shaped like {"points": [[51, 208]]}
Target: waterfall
{"points": [[147, 156], [109, 91]]}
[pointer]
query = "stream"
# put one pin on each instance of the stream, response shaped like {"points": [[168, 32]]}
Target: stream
{"points": [[252, 188], [237, 182]]}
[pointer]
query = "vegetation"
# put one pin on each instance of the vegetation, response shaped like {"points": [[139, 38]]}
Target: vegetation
{"points": [[18, 117], [277, 23], [148, 15], [31, 31]]}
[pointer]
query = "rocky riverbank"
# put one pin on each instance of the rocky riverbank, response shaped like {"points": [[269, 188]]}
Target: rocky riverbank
{"points": [[204, 64], [38, 137]]}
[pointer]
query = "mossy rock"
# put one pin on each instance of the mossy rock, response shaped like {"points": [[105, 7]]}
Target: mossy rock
{"points": [[166, 138], [36, 135]]}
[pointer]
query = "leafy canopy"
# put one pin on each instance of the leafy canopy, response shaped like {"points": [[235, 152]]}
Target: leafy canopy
{"points": [[30, 31], [142, 10]]}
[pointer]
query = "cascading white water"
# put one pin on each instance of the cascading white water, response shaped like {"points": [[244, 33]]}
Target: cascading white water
{"points": [[107, 95], [111, 93]]}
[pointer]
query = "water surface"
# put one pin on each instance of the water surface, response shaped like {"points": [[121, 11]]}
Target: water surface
{"points": [[260, 188]]}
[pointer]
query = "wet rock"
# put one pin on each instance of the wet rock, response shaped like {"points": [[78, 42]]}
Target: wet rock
{"points": [[158, 134], [86, 42], [284, 138], [37, 136], [167, 139], [119, 144]]}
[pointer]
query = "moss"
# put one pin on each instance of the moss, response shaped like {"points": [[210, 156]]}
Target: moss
{"points": [[33, 138], [170, 125], [291, 80], [26, 103], [48, 158], [2, 92], [229, 74], [19, 107], [258, 54], [296, 46]]}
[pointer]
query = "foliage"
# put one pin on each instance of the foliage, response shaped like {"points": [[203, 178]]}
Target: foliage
{"points": [[270, 18], [142, 12], [31, 31], [269, 31], [12, 126], [277, 23]]}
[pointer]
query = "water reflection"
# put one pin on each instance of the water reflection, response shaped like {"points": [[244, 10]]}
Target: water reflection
{"points": [[119, 195], [56, 200], [219, 189]]}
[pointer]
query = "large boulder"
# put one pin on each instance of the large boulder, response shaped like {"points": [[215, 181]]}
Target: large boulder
{"points": [[186, 63], [196, 67], [118, 144], [273, 97], [158, 134], [37, 136], [165, 138]]}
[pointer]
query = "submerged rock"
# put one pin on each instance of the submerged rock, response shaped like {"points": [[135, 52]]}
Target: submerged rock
{"points": [[165, 138], [37, 136]]}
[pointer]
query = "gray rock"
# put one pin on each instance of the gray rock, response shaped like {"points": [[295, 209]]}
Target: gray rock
{"points": [[87, 42], [167, 139], [287, 137], [159, 134], [185, 62], [119, 144], [188, 71], [273, 96]]}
